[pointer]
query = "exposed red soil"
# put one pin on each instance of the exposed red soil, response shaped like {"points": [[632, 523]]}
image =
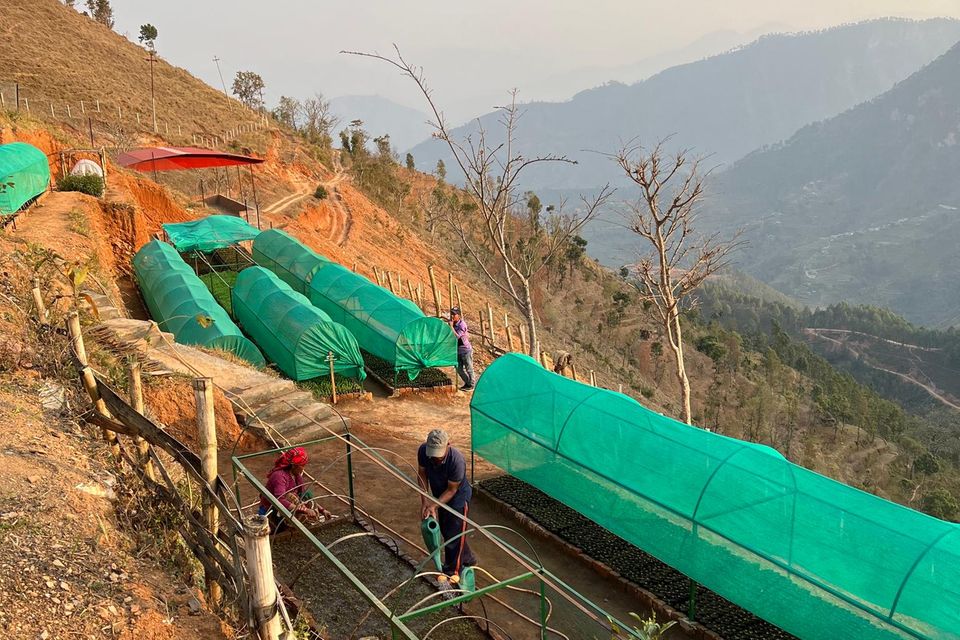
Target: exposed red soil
{"points": [[171, 401]]}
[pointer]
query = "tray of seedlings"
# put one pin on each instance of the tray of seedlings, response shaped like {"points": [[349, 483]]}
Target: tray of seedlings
{"points": [[383, 372], [631, 563]]}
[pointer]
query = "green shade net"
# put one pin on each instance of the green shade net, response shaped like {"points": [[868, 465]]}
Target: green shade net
{"points": [[24, 174], [813, 556], [293, 333], [180, 303], [210, 233], [388, 326]]}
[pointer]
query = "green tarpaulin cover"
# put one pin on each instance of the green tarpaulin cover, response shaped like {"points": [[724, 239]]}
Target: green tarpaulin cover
{"points": [[24, 174], [210, 233], [813, 556], [181, 304], [293, 333], [389, 327]]}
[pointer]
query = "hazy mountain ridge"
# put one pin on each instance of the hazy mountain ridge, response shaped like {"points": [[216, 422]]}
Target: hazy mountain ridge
{"points": [[863, 207], [727, 105]]}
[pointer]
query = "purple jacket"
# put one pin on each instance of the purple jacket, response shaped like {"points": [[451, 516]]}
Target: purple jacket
{"points": [[463, 336], [281, 482]]}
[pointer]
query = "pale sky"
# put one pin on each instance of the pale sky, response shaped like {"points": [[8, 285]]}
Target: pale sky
{"points": [[472, 52]]}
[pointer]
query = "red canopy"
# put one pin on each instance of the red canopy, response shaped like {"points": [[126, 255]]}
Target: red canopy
{"points": [[177, 158]]}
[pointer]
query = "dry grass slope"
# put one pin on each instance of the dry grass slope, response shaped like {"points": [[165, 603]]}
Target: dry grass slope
{"points": [[59, 54]]}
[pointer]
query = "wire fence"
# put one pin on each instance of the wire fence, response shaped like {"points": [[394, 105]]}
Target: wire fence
{"points": [[106, 119]]}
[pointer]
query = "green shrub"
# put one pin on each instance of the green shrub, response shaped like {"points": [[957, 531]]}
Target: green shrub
{"points": [[320, 193], [646, 392], [91, 185]]}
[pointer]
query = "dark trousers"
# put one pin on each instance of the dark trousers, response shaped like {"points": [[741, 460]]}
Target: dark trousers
{"points": [[451, 526], [465, 367]]}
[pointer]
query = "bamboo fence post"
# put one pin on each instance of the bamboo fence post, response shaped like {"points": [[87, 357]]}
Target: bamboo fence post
{"points": [[490, 325], [399, 284], [459, 301], [620, 388], [76, 337], [207, 431], [483, 332], [523, 337], [89, 381], [333, 378], [38, 301], [420, 296], [450, 288], [433, 285], [506, 327], [412, 293], [393, 289], [135, 383], [355, 266], [593, 378], [263, 589]]}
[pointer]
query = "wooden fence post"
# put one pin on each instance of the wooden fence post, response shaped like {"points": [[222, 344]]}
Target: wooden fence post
{"points": [[490, 325], [333, 378], [263, 589], [420, 296], [523, 337], [620, 388], [38, 301], [573, 369], [207, 431], [135, 383], [433, 285], [393, 289], [483, 333], [506, 327], [89, 381], [410, 290], [459, 301], [450, 289], [593, 378]]}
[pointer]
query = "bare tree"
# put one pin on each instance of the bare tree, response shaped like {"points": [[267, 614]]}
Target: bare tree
{"points": [[499, 235], [318, 119], [671, 188]]}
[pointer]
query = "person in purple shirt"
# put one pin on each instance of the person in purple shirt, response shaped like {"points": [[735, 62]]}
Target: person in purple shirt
{"points": [[464, 348], [286, 482]]}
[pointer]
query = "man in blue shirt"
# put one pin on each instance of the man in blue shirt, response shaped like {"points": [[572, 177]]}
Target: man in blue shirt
{"points": [[464, 348], [442, 472]]}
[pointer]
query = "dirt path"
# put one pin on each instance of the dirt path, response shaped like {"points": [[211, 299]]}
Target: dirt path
{"points": [[818, 330], [863, 358]]}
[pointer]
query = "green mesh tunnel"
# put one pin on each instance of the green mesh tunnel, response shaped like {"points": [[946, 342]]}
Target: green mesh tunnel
{"points": [[24, 174], [177, 298], [287, 257], [813, 556], [294, 334], [387, 326]]}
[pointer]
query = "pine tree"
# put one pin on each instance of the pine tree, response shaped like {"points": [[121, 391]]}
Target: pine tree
{"points": [[101, 11]]}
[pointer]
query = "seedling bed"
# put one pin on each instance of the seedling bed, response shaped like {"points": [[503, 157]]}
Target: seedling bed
{"points": [[331, 600], [670, 586], [321, 390], [383, 372]]}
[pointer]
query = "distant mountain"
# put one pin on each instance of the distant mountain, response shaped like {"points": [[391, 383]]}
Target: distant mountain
{"points": [[380, 115], [560, 86], [727, 105], [864, 207]]}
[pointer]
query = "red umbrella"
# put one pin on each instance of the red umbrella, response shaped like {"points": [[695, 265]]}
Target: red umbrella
{"points": [[178, 158]]}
